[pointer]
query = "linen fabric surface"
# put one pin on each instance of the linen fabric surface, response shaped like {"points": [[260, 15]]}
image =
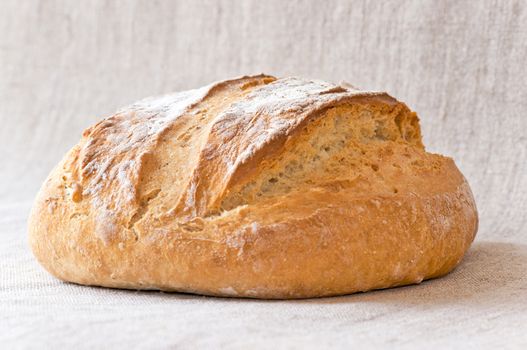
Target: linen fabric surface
{"points": [[460, 65]]}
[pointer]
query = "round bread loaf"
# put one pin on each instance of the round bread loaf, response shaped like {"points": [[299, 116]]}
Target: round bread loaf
{"points": [[254, 187]]}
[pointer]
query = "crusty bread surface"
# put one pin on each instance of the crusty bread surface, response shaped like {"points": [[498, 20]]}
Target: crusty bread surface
{"points": [[254, 187]]}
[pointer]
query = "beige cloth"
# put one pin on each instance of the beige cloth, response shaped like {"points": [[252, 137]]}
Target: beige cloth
{"points": [[460, 65]]}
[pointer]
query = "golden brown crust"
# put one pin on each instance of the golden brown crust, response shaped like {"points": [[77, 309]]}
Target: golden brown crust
{"points": [[182, 193]]}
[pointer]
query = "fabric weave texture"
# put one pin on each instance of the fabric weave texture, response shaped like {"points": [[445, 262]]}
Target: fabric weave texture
{"points": [[460, 65]]}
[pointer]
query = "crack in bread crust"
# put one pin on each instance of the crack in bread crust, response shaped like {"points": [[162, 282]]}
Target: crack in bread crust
{"points": [[255, 127], [343, 144]]}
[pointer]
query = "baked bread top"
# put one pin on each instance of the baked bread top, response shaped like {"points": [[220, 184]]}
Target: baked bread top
{"points": [[239, 158]]}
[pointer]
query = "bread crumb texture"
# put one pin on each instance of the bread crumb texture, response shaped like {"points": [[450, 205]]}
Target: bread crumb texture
{"points": [[254, 187]]}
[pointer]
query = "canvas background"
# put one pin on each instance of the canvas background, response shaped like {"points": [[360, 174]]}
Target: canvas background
{"points": [[460, 64]]}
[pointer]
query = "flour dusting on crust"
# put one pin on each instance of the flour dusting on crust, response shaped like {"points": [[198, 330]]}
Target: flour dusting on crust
{"points": [[114, 149]]}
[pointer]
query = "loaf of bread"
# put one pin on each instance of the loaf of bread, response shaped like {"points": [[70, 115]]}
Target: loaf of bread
{"points": [[254, 187]]}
